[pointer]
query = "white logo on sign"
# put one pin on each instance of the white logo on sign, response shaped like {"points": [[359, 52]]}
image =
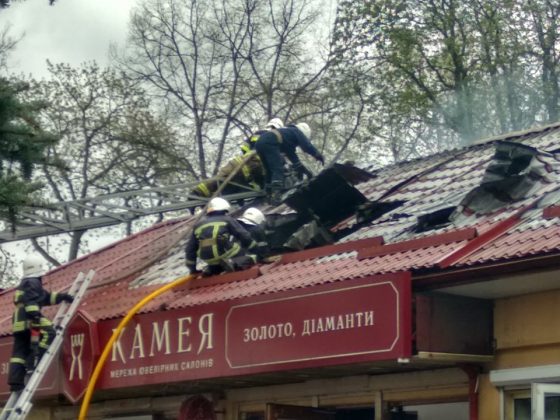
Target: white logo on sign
{"points": [[77, 348]]}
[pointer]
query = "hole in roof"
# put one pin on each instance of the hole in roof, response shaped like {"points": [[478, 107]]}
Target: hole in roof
{"points": [[434, 220], [513, 172], [320, 204]]}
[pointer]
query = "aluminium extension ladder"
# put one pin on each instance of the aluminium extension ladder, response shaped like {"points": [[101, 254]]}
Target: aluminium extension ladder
{"points": [[19, 404]]}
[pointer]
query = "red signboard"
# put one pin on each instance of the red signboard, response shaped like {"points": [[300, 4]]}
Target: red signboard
{"points": [[79, 354], [333, 324], [355, 321]]}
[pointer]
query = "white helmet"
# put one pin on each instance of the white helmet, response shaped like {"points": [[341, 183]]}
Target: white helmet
{"points": [[305, 129], [32, 267], [218, 204], [252, 216], [275, 123]]}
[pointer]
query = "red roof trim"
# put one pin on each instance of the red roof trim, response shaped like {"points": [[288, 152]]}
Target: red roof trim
{"points": [[428, 241], [308, 254], [200, 281], [551, 212], [488, 236]]}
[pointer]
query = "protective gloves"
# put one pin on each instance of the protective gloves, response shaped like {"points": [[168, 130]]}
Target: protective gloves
{"points": [[302, 171], [65, 297]]}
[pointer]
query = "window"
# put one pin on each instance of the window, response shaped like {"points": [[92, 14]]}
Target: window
{"points": [[542, 402], [545, 401]]}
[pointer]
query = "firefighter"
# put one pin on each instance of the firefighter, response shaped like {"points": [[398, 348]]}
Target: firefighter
{"points": [[251, 172], [249, 143], [253, 220], [216, 239], [271, 145], [29, 298]]}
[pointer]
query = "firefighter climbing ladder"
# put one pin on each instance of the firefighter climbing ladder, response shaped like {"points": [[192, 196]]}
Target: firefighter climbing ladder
{"points": [[19, 404]]}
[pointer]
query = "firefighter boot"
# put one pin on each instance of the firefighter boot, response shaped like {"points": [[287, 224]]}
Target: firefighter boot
{"points": [[275, 197]]}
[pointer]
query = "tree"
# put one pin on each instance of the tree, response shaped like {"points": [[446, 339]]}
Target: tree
{"points": [[8, 3], [23, 146], [111, 139], [472, 67], [225, 67]]}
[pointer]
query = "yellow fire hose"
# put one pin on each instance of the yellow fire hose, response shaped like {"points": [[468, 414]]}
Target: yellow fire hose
{"points": [[124, 322]]}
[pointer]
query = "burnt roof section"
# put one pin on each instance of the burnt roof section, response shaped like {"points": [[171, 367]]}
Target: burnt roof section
{"points": [[385, 240]]}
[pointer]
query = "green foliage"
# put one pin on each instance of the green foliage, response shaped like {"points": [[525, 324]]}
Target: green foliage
{"points": [[23, 145], [476, 67]]}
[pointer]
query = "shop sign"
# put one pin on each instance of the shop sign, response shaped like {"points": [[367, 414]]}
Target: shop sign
{"points": [[79, 354], [359, 322], [354, 321]]}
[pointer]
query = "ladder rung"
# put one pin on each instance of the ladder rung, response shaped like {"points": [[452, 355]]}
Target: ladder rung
{"points": [[19, 404]]}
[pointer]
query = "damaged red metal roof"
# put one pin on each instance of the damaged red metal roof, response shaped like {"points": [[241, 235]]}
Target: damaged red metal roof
{"points": [[131, 268]]}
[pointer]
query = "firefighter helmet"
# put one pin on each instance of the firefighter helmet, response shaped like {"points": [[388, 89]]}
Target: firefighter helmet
{"points": [[32, 267], [218, 204], [252, 216], [275, 123], [305, 129]]}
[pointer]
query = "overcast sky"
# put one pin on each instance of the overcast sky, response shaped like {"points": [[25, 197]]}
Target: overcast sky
{"points": [[71, 31]]}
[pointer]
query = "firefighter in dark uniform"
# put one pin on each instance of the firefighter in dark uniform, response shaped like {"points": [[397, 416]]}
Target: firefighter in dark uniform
{"points": [[249, 143], [216, 239], [253, 221], [271, 145], [29, 298], [251, 172]]}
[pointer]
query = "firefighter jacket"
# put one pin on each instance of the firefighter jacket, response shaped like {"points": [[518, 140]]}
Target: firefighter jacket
{"points": [[29, 298], [260, 246], [214, 238], [249, 143], [251, 173], [289, 139]]}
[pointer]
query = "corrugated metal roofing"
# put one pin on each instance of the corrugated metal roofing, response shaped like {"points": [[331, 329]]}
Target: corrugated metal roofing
{"points": [[128, 270]]}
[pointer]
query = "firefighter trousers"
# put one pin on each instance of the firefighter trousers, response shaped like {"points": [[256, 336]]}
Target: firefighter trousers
{"points": [[22, 354], [272, 159]]}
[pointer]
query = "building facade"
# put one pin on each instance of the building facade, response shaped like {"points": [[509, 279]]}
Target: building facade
{"points": [[424, 290]]}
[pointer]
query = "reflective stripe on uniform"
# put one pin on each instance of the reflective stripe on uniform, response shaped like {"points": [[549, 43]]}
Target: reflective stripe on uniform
{"points": [[199, 230], [19, 326], [32, 308], [18, 295], [43, 322], [44, 343], [54, 295], [208, 242], [17, 360], [19, 321], [203, 189], [232, 252]]}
